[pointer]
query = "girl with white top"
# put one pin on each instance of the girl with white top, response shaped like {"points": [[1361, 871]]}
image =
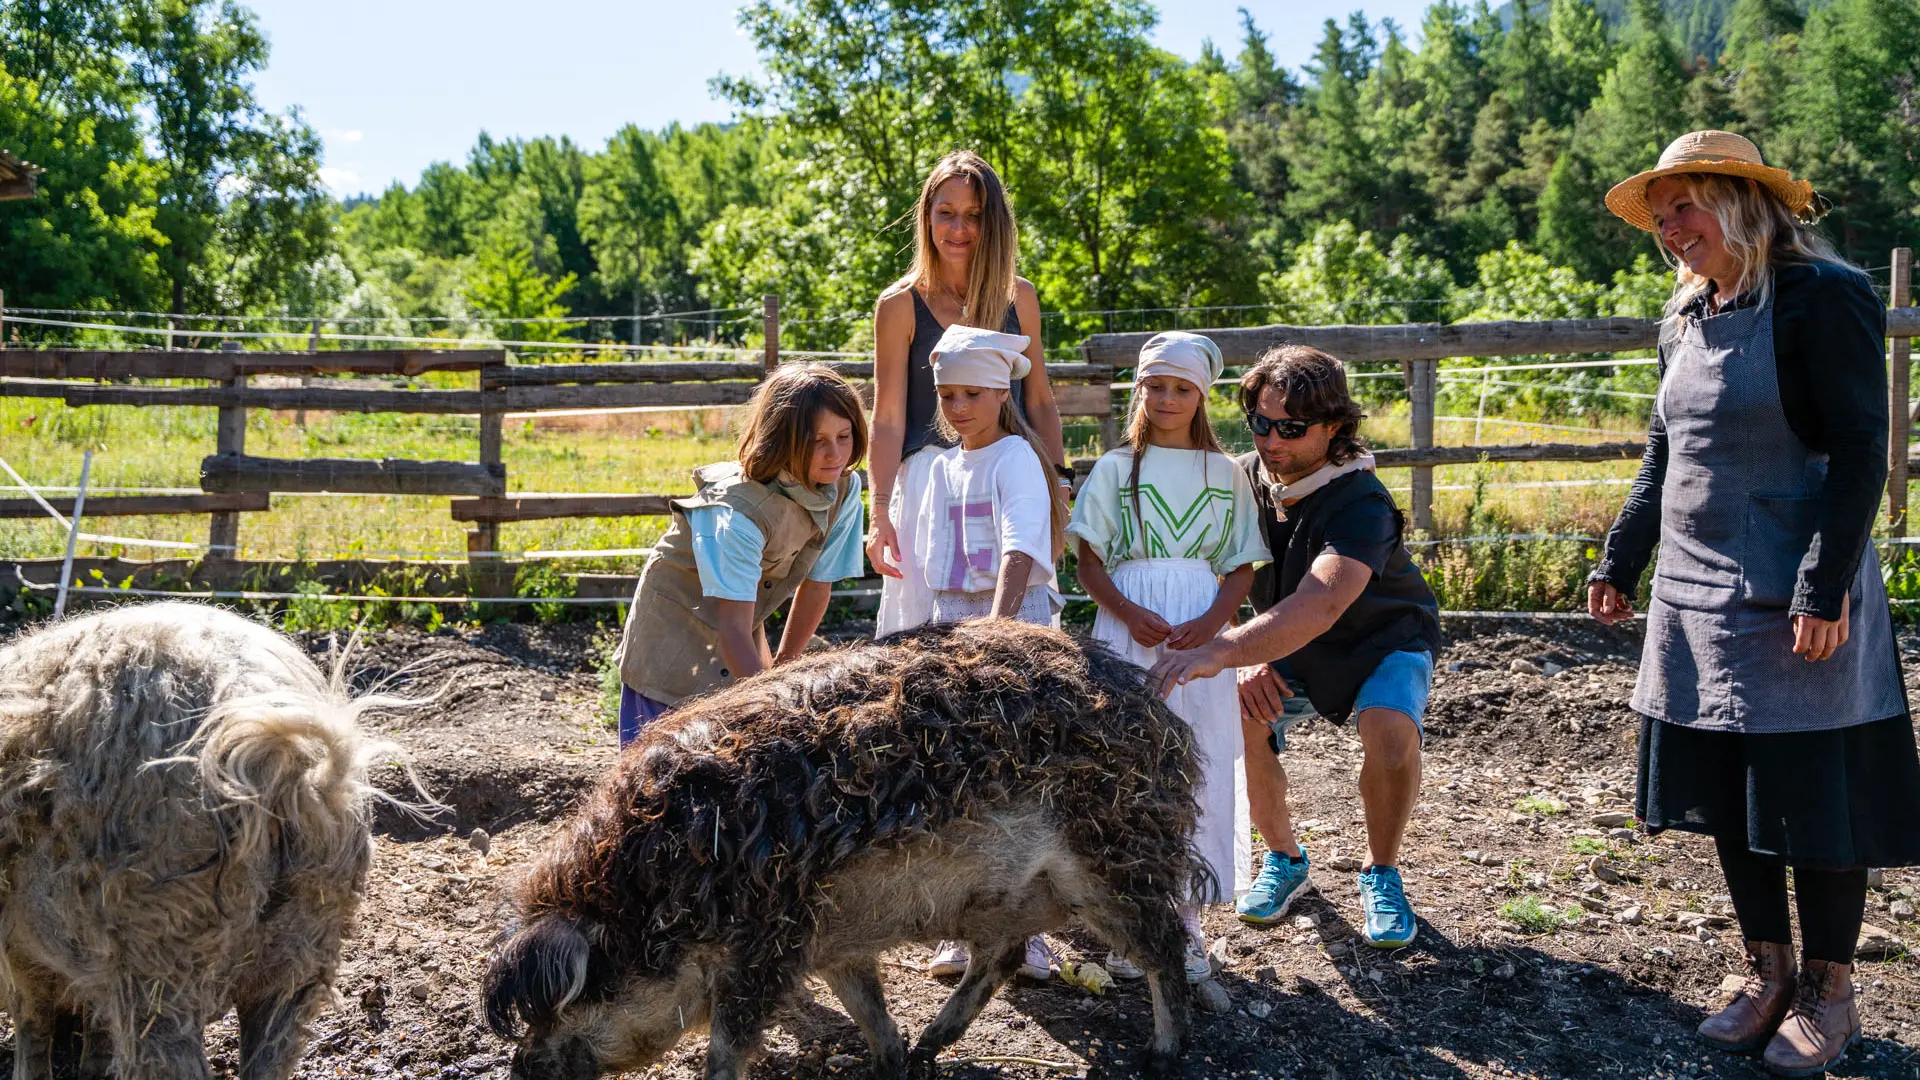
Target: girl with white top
{"points": [[988, 518], [1168, 534]]}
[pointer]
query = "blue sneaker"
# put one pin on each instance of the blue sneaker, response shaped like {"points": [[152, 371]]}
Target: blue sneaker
{"points": [[1279, 883], [1390, 922]]}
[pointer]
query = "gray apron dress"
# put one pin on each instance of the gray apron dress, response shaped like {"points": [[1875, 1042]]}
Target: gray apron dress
{"points": [[1739, 508]]}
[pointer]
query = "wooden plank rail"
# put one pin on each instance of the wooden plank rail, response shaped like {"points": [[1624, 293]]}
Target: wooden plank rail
{"points": [[220, 365], [143, 505], [322, 399], [236, 472], [1432, 341], [544, 507], [716, 371], [1429, 456]]}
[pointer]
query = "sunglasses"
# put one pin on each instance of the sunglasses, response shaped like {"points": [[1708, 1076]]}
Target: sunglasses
{"points": [[1290, 428]]}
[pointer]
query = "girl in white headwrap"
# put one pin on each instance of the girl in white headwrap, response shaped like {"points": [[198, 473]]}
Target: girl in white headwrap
{"points": [[1168, 533], [988, 518]]}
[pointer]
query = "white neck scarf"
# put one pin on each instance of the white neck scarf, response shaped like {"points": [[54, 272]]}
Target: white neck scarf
{"points": [[1326, 474]]}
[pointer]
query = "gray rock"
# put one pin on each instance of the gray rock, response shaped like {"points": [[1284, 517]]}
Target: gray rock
{"points": [[1551, 669], [1212, 997], [1901, 909], [1598, 867], [1521, 666], [839, 1062], [420, 991], [1259, 1010], [1622, 836], [1306, 922], [1632, 916], [1265, 973], [1876, 878], [1878, 943], [1503, 972], [480, 841], [1345, 864], [1613, 819], [1217, 955]]}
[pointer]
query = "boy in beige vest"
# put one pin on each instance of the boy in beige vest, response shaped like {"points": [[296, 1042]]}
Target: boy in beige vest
{"points": [[782, 522]]}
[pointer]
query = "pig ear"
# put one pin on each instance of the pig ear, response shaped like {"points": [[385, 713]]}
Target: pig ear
{"points": [[535, 974]]}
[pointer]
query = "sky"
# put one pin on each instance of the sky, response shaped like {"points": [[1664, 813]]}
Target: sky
{"points": [[395, 85]]}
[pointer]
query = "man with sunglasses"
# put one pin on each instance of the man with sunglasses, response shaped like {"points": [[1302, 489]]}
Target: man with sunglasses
{"points": [[1346, 626]]}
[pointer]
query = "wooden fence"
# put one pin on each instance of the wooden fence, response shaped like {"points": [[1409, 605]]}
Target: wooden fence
{"points": [[235, 483]]}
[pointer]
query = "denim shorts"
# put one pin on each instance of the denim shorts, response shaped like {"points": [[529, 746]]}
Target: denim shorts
{"points": [[1401, 683]]}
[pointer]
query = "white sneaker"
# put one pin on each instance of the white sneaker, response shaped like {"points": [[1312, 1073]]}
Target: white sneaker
{"points": [[949, 959], [1122, 968], [1040, 961], [1199, 968]]}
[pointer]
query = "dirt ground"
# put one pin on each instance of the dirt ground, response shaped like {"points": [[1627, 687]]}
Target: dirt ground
{"points": [[1529, 769]]}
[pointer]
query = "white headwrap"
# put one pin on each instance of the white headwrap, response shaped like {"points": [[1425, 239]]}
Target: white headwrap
{"points": [[1193, 357], [970, 356]]}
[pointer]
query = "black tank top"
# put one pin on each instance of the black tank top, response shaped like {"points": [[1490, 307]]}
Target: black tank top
{"points": [[923, 404]]}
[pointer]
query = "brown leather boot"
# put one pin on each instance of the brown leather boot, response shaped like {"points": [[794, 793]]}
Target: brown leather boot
{"points": [[1823, 1023], [1757, 1008]]}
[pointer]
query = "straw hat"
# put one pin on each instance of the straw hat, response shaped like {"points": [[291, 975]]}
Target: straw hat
{"points": [[1706, 152]]}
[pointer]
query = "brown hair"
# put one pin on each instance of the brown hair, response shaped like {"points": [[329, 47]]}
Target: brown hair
{"points": [[990, 272], [1314, 386], [778, 436], [1760, 232], [1199, 432], [1012, 421]]}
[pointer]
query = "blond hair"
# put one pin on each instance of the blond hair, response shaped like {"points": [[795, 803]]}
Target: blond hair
{"points": [[1139, 429], [1012, 422], [990, 270], [1759, 231], [778, 435]]}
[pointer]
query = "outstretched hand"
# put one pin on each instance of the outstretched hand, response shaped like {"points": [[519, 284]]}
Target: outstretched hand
{"points": [[1176, 669]]}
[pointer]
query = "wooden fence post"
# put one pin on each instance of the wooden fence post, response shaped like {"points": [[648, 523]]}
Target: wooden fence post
{"points": [[3, 318], [486, 570], [1421, 381], [230, 438], [1899, 417], [770, 322]]}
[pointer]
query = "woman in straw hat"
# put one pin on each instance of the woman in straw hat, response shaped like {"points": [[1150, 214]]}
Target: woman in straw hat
{"points": [[1774, 718]]}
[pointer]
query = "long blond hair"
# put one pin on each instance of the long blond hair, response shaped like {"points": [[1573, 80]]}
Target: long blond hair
{"points": [[1758, 230], [1140, 429], [1012, 422], [990, 272]]}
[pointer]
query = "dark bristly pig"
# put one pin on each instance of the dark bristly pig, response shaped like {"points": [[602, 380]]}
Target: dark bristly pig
{"points": [[980, 782]]}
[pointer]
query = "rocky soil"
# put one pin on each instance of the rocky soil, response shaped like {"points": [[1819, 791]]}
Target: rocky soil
{"points": [[1556, 939]]}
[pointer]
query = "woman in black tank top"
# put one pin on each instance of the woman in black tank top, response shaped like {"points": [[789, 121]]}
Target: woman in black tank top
{"points": [[964, 249]]}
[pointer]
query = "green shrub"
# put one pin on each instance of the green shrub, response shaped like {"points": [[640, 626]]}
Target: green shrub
{"points": [[1543, 805], [545, 581]]}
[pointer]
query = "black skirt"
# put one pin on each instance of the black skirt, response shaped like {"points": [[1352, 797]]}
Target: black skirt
{"points": [[1826, 800]]}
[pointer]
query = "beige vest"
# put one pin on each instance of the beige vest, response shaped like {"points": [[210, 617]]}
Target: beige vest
{"points": [[670, 649]]}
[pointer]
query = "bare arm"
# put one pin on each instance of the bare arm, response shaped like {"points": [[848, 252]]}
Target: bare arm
{"points": [[892, 336], [1332, 584], [743, 640], [1011, 590], [803, 618], [1043, 413]]}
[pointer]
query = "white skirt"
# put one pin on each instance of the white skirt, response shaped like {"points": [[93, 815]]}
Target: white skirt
{"points": [[1178, 590], [906, 601]]}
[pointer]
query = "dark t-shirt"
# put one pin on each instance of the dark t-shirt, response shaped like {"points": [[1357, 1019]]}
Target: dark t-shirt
{"points": [[1353, 516]]}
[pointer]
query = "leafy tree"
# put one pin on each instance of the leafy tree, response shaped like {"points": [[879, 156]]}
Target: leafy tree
{"points": [[627, 214], [1340, 276], [506, 285]]}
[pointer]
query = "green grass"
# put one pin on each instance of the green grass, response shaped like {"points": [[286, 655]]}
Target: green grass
{"points": [[1589, 845], [1528, 913], [1542, 805]]}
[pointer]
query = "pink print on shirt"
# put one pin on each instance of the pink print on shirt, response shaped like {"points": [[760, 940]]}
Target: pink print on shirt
{"points": [[965, 559]]}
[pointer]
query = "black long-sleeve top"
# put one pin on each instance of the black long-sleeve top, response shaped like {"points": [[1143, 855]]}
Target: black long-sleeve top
{"points": [[1829, 345]]}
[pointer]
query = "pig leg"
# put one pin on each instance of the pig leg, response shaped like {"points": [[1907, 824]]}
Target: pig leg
{"points": [[1151, 934], [991, 965], [166, 1046], [96, 1052], [34, 1025], [857, 984], [741, 1008], [273, 1031]]}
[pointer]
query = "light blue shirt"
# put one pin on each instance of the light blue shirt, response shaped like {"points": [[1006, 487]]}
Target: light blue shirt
{"points": [[727, 548]]}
